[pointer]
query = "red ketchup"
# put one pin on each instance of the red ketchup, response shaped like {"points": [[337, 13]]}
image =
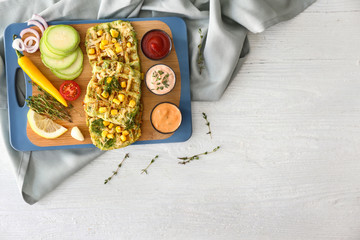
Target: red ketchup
{"points": [[156, 44]]}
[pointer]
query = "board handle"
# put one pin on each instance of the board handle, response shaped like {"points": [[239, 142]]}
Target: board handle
{"points": [[20, 87]]}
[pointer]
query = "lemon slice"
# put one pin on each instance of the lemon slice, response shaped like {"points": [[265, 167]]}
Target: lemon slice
{"points": [[44, 126]]}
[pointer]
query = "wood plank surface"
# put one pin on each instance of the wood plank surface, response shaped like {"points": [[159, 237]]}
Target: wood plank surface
{"points": [[149, 99]]}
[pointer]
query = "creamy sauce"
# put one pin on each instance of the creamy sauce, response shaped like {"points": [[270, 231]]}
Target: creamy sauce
{"points": [[160, 79], [166, 117]]}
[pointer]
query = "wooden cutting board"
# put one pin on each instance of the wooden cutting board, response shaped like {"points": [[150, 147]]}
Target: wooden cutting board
{"points": [[77, 113]]}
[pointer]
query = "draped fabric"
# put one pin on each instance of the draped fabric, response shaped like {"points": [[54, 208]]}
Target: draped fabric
{"points": [[223, 23]]}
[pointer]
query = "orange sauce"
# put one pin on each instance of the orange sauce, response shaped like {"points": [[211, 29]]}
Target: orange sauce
{"points": [[166, 117]]}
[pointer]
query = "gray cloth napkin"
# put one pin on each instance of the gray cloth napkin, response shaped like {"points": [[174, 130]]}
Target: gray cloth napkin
{"points": [[224, 25]]}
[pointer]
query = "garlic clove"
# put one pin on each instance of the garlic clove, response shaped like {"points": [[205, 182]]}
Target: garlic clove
{"points": [[75, 133]]}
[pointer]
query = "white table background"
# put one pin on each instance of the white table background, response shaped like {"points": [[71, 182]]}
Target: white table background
{"points": [[288, 167]]}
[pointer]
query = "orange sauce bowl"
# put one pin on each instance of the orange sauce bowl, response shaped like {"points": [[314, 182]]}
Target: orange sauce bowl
{"points": [[166, 117]]}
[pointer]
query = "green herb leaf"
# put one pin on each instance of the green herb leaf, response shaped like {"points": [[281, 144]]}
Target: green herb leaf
{"points": [[112, 85], [97, 126], [109, 142], [207, 124], [114, 173], [131, 119], [185, 160], [200, 59], [151, 162], [161, 79], [45, 104]]}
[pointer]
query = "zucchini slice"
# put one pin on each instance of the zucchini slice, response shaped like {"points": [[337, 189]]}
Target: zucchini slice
{"points": [[63, 63], [67, 76], [61, 39], [75, 67], [44, 50]]}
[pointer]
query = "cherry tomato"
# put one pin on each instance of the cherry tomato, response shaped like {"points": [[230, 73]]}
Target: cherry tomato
{"points": [[70, 90]]}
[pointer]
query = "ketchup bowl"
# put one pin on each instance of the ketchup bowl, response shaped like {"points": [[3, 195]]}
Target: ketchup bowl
{"points": [[156, 44], [166, 117]]}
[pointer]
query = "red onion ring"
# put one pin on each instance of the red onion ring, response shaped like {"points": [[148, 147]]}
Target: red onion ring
{"points": [[29, 48], [29, 30], [36, 23], [33, 48], [29, 41], [18, 44], [40, 19], [27, 44]]}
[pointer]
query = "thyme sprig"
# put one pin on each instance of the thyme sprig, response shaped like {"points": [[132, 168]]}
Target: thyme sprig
{"points": [[151, 162], [185, 160], [207, 124], [45, 104], [117, 170], [200, 60]]}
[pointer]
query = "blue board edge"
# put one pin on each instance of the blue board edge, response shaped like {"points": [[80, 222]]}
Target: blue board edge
{"points": [[18, 124]]}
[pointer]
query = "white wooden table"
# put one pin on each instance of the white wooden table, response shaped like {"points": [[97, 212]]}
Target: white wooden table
{"points": [[288, 167]]}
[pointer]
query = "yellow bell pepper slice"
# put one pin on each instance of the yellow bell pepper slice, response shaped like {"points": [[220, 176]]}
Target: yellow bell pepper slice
{"points": [[34, 73]]}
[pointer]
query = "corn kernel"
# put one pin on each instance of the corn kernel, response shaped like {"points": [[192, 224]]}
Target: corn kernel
{"points": [[116, 101], [105, 94], [104, 42], [102, 109], [111, 125], [117, 44], [118, 49], [123, 138], [100, 32], [106, 123], [102, 47], [114, 33], [113, 40], [121, 97], [118, 129], [123, 84], [109, 79], [114, 112], [132, 103], [128, 45], [104, 134], [125, 132], [110, 136], [91, 51]]}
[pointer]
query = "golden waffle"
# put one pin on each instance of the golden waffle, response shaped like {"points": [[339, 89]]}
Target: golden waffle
{"points": [[114, 41], [112, 100], [114, 97]]}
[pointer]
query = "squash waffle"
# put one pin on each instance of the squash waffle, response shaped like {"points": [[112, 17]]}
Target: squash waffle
{"points": [[107, 136], [113, 98], [112, 41]]}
